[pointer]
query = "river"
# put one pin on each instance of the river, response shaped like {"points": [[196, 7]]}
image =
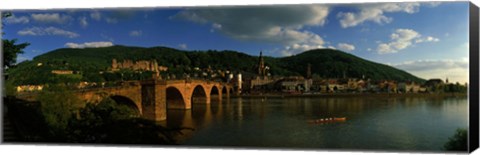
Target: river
{"points": [[372, 123]]}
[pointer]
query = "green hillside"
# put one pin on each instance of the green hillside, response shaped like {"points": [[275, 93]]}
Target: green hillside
{"points": [[329, 63], [89, 64]]}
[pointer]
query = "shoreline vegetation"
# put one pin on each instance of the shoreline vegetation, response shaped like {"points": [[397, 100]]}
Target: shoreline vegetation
{"points": [[52, 121], [334, 95]]}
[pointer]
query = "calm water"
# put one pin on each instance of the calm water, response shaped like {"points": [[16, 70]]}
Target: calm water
{"points": [[421, 124]]}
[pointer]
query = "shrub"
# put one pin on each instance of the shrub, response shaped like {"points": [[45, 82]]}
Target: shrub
{"points": [[57, 106], [458, 142]]}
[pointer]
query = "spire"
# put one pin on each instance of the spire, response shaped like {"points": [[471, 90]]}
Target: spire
{"points": [[261, 66]]}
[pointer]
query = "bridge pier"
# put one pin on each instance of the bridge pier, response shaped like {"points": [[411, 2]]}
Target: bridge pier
{"points": [[154, 101]]}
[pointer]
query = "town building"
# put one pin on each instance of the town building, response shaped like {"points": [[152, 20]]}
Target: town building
{"points": [[62, 72], [24, 88], [409, 87], [295, 84], [261, 82]]}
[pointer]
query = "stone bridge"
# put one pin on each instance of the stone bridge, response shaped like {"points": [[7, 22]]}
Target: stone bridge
{"points": [[152, 98]]}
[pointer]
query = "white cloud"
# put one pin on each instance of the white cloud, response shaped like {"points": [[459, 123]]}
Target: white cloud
{"points": [[401, 39], [190, 15], [96, 15], [17, 20], [51, 18], [183, 46], [375, 12], [83, 21], [432, 39], [346, 47], [455, 70], [432, 4], [427, 39], [89, 44], [216, 26], [135, 33], [111, 20], [21, 58], [385, 48], [38, 31], [271, 24], [298, 48]]}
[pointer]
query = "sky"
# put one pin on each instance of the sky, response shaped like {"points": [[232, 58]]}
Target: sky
{"points": [[427, 39]]}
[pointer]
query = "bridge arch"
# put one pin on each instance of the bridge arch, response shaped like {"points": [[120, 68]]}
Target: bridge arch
{"points": [[215, 93], [127, 102], [225, 91], [175, 98], [199, 95]]}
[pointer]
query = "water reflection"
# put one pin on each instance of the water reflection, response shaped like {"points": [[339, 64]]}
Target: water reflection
{"points": [[420, 123]]}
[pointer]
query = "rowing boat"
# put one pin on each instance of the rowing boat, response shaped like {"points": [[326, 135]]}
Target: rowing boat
{"points": [[328, 120]]}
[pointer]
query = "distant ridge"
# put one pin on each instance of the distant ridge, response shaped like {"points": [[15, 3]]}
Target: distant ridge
{"points": [[330, 63], [326, 63]]}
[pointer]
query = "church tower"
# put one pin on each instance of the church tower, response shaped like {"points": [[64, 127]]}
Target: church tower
{"points": [[309, 71], [261, 66]]}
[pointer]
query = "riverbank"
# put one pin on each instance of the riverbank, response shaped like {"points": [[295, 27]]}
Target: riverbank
{"points": [[339, 95]]}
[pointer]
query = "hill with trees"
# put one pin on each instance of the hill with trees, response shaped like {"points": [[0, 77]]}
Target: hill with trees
{"points": [[92, 64], [329, 63]]}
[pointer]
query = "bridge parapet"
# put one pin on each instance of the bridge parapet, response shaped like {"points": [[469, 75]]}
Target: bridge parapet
{"points": [[194, 81], [161, 82]]}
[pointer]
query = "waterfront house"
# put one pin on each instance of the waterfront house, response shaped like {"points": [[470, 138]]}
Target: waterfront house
{"points": [[295, 84], [408, 87], [388, 86], [356, 85], [335, 85]]}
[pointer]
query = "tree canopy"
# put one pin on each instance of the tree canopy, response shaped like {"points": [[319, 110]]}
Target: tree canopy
{"points": [[11, 49]]}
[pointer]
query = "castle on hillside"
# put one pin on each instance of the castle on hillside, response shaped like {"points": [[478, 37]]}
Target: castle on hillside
{"points": [[142, 65]]}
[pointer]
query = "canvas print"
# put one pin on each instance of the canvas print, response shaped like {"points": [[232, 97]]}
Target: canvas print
{"points": [[359, 76]]}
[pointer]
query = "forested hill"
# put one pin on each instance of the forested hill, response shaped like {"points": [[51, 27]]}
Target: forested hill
{"points": [[90, 64], [331, 63]]}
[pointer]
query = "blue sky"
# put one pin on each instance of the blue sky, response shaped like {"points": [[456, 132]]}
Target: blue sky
{"points": [[427, 39]]}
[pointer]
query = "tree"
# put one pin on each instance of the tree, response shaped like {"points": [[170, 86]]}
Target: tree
{"points": [[10, 48], [458, 142], [58, 106], [11, 51], [110, 122]]}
